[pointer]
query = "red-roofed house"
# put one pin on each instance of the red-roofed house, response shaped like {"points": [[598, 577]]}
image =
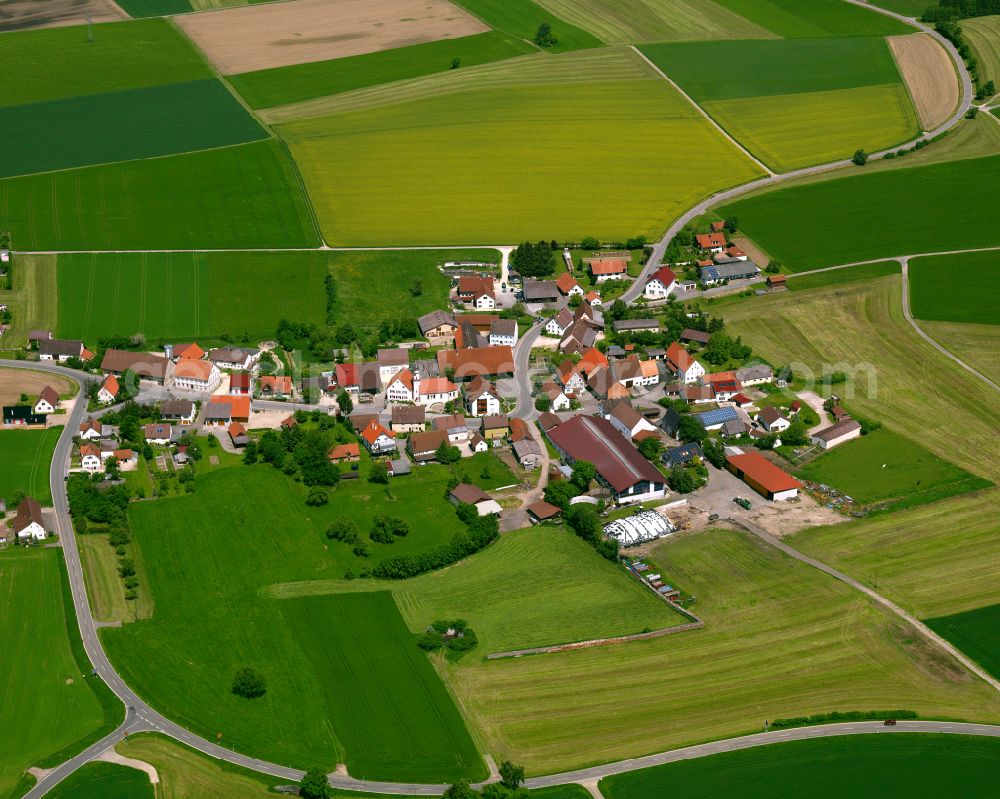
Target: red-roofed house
{"points": [[570, 379], [763, 476], [191, 351], [684, 367], [736, 252], [239, 407], [275, 385], [345, 453], [659, 286], [239, 383], [590, 360], [593, 298], [109, 390], [608, 269], [718, 226], [482, 361], [90, 458], [400, 387], [377, 439], [238, 434], [478, 292], [568, 286], [433, 390], [713, 242], [193, 375], [724, 385]]}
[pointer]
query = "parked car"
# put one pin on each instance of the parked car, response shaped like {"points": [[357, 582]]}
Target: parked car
{"points": [[889, 722]]}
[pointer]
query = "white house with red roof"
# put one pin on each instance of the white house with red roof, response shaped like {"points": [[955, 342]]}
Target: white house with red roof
{"points": [[685, 368], [378, 440], [108, 392], [570, 379], [90, 458], [568, 286], [712, 242], [400, 387], [659, 286], [433, 390]]}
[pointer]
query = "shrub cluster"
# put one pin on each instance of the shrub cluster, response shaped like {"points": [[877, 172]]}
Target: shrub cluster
{"points": [[434, 637], [850, 715], [479, 534]]}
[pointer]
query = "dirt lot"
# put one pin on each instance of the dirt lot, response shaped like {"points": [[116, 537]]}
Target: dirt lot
{"points": [[274, 35], [929, 75], [14, 382], [20, 14]]}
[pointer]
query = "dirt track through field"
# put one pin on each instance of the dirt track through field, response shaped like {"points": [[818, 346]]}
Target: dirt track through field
{"points": [[255, 37], [929, 75], [21, 14]]}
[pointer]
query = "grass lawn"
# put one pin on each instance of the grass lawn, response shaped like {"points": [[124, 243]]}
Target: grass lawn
{"points": [[485, 470], [782, 639], [983, 36], [105, 587], [374, 151], [388, 705], [655, 20], [189, 295], [292, 84], [49, 708], [246, 196], [242, 530], [793, 19], [977, 345], [887, 470], [935, 560], [32, 299], [521, 18], [975, 632], [124, 125], [836, 277], [859, 328], [897, 765], [866, 216], [956, 288], [26, 455], [912, 8], [104, 781], [57, 63]]}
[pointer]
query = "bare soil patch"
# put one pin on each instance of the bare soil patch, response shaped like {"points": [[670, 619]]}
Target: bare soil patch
{"points": [[21, 14], [279, 34], [14, 382], [929, 75]]}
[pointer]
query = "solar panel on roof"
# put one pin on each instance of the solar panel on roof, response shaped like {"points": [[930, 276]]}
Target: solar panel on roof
{"points": [[718, 416]]}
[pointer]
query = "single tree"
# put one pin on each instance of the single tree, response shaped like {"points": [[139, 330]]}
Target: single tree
{"points": [[344, 403], [314, 784], [681, 480], [249, 684], [379, 473], [544, 36], [317, 496], [250, 453], [651, 448], [860, 158], [511, 776], [447, 454], [460, 790], [416, 287], [456, 63], [583, 473], [690, 429]]}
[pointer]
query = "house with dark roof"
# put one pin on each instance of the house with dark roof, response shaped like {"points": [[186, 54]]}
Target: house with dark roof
{"points": [[467, 494], [423, 446], [234, 357], [408, 418], [692, 336], [728, 269], [22, 416], [540, 291], [48, 400], [438, 327], [682, 455], [182, 411], [836, 434], [28, 521], [58, 349], [635, 326], [503, 332]]}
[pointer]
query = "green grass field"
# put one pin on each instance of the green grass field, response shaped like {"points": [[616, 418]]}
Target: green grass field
{"points": [[838, 277], [935, 560], [292, 84], [104, 781], [155, 8], [975, 632], [861, 217], [58, 63], [655, 20], [912, 8], [521, 18], [888, 470], [782, 639], [31, 299], [983, 36], [364, 165], [125, 125], [47, 704], [188, 295], [977, 345], [244, 529], [956, 288], [526, 606], [26, 455], [859, 328], [390, 709], [793, 19], [246, 196], [890, 766]]}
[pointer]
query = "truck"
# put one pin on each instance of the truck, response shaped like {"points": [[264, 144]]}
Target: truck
{"points": [[743, 502]]}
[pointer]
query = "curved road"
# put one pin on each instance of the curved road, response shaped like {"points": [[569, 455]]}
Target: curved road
{"points": [[141, 717]]}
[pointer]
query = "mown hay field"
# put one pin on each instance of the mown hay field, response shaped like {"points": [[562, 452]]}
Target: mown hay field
{"points": [[292, 84], [898, 378], [793, 19], [956, 288], [983, 35], [977, 345], [58, 63], [521, 18], [122, 126], [935, 560], [48, 701], [246, 196], [32, 299], [865, 216], [26, 455], [188, 295], [547, 172], [782, 639], [617, 22], [850, 274], [916, 766], [390, 708], [930, 77]]}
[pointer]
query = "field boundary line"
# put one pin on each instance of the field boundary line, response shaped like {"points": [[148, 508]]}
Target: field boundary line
{"points": [[594, 642]]}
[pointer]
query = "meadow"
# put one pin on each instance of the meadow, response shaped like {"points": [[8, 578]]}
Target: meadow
{"points": [[983, 36], [545, 586], [898, 379], [183, 660], [936, 560], [897, 765], [792, 19], [977, 345], [125, 125], [364, 166], [104, 781], [655, 20], [245, 196], [521, 18], [31, 299], [188, 295], [889, 471], [59, 63], [837, 277], [975, 632], [912, 8], [390, 709], [292, 84], [863, 217], [48, 702], [781, 640], [26, 455], [956, 288]]}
